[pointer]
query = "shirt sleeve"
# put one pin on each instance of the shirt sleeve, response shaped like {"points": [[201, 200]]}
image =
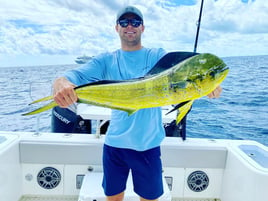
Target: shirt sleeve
{"points": [[161, 53], [87, 73]]}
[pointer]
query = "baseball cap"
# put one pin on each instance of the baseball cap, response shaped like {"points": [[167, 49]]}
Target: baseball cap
{"points": [[129, 9]]}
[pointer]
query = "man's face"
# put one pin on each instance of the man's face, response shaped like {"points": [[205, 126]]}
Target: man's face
{"points": [[130, 35]]}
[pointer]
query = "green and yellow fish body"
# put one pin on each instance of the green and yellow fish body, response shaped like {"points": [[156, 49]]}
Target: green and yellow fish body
{"points": [[181, 83]]}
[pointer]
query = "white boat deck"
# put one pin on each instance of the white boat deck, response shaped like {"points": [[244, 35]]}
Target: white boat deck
{"points": [[194, 170]]}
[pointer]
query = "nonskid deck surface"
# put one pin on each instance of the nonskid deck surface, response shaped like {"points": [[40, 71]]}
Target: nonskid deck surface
{"points": [[193, 199], [75, 198], [48, 198]]}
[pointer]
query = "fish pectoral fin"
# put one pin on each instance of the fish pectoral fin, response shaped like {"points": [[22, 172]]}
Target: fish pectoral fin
{"points": [[183, 110], [42, 109], [179, 85]]}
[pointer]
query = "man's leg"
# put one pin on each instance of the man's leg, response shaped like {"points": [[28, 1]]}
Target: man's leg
{"points": [[118, 197], [142, 199], [147, 174], [115, 173]]}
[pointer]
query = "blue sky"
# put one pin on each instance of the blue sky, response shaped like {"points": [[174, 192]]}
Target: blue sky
{"points": [[38, 32]]}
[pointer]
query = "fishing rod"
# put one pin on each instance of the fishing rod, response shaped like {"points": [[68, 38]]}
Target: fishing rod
{"points": [[180, 129], [198, 26]]}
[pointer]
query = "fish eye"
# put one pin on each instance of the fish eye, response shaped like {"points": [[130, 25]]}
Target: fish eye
{"points": [[212, 74]]}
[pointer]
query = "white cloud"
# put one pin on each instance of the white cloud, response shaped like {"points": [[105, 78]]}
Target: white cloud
{"points": [[235, 16], [65, 28]]}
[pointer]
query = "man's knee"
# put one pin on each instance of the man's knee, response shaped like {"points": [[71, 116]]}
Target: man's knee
{"points": [[117, 197], [143, 199]]}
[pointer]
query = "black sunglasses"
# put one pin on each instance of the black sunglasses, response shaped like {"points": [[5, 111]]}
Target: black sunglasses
{"points": [[133, 22]]}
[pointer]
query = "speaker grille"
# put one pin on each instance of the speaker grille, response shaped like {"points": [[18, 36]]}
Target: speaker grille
{"points": [[49, 178], [198, 181]]}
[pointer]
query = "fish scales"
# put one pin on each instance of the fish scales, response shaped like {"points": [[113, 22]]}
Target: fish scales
{"points": [[139, 94]]}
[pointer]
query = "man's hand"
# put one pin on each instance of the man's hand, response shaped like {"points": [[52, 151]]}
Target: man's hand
{"points": [[216, 93], [63, 92]]}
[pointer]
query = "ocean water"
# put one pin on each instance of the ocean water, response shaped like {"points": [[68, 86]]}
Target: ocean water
{"points": [[240, 113]]}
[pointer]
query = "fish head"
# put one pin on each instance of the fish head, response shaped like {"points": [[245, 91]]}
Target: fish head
{"points": [[203, 72], [208, 71]]}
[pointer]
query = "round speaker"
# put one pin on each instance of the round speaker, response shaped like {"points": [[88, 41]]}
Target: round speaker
{"points": [[49, 178], [198, 181]]}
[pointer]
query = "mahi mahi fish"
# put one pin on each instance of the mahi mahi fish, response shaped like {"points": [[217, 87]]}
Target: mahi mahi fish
{"points": [[177, 79]]}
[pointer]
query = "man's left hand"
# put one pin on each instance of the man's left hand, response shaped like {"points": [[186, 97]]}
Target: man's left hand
{"points": [[216, 93]]}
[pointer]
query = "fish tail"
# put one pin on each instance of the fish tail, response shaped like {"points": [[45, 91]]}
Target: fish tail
{"points": [[42, 100], [42, 109]]}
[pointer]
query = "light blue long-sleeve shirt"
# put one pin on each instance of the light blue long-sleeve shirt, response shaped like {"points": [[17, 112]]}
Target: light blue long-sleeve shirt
{"points": [[142, 130]]}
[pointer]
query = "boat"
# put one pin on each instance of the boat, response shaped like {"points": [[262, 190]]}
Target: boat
{"points": [[68, 167], [36, 166], [82, 59]]}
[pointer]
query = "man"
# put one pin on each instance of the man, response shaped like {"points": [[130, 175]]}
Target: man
{"points": [[132, 142]]}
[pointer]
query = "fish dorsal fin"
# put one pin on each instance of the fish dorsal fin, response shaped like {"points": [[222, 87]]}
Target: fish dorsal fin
{"points": [[170, 60], [166, 62], [101, 82]]}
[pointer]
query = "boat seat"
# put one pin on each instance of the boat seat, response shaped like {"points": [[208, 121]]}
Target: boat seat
{"points": [[92, 190]]}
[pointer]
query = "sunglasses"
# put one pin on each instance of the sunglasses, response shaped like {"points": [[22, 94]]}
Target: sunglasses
{"points": [[133, 22]]}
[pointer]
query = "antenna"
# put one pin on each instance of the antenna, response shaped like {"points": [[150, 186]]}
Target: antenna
{"points": [[198, 25]]}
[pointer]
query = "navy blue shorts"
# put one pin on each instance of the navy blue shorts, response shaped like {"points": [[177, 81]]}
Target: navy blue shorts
{"points": [[146, 168]]}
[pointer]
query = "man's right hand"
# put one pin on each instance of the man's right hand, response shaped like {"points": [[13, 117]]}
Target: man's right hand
{"points": [[64, 93]]}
